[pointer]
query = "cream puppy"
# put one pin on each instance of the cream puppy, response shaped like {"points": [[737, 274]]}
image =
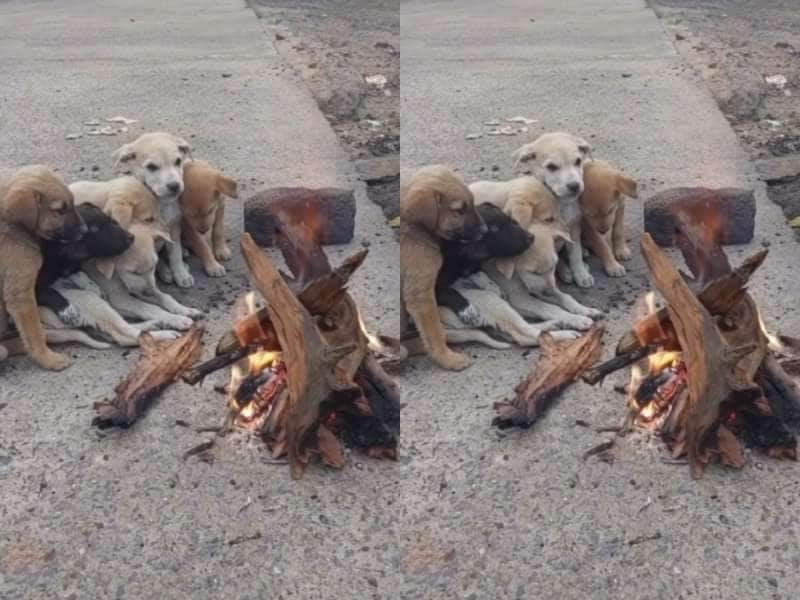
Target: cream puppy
{"points": [[558, 160], [157, 160]]}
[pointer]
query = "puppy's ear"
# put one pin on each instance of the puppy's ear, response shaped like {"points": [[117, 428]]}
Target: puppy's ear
{"points": [[421, 207], [522, 213], [524, 154], [21, 207], [506, 266], [559, 232], [584, 147], [160, 232], [227, 186], [123, 155], [122, 213], [106, 266], [627, 186], [184, 147]]}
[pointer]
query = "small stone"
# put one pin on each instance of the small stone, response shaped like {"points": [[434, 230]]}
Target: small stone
{"points": [[226, 75], [626, 75]]}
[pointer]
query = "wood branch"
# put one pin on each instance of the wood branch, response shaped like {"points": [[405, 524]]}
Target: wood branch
{"points": [[698, 242], [198, 373], [713, 377], [311, 362], [784, 384], [599, 372], [559, 365], [160, 365], [718, 297]]}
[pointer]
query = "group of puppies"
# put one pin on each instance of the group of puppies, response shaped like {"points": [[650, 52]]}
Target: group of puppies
{"points": [[85, 256], [482, 262]]}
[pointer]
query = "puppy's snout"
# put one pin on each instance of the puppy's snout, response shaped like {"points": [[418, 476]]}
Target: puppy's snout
{"points": [[174, 187], [574, 187]]}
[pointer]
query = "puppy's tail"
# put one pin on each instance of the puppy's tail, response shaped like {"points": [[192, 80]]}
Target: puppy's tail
{"points": [[415, 347], [15, 347]]}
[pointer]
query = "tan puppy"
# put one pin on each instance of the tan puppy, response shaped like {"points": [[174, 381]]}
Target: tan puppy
{"points": [[434, 205], [34, 205], [157, 160], [124, 199], [558, 160], [525, 199], [203, 213], [603, 210]]}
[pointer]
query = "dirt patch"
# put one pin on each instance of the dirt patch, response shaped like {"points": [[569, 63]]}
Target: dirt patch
{"points": [[749, 55], [348, 53]]}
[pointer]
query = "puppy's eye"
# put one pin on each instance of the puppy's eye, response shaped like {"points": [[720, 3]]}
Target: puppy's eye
{"points": [[577, 162], [177, 162], [552, 168], [152, 168]]}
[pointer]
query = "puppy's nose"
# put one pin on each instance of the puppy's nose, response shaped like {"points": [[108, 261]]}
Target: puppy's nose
{"points": [[574, 187], [174, 187]]}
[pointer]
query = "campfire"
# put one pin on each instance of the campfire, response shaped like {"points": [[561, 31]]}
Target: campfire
{"points": [[704, 375], [303, 376]]}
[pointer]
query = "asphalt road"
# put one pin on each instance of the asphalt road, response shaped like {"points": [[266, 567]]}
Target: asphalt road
{"points": [[521, 514], [119, 514]]}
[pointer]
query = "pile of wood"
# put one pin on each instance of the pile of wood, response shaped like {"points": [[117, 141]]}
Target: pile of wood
{"points": [[307, 382], [704, 376]]}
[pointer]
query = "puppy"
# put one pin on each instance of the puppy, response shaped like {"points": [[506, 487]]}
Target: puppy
{"points": [[529, 283], [603, 209], [132, 289], [158, 160], [558, 160], [435, 205], [525, 199], [104, 238], [504, 238], [203, 214], [35, 205]]}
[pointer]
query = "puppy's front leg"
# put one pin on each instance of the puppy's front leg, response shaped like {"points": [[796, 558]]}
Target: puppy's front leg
{"points": [[426, 317], [621, 250], [20, 301], [600, 247], [199, 246], [180, 272], [580, 272], [221, 250]]}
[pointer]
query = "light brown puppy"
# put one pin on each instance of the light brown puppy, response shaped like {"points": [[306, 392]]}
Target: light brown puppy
{"points": [[434, 205], [124, 199], [34, 205], [203, 211], [603, 212], [525, 199]]}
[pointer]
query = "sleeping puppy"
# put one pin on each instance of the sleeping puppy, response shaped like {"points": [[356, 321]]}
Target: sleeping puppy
{"points": [[124, 199], [203, 213], [525, 199], [132, 289], [504, 238], [35, 205], [558, 161], [603, 209], [435, 205], [104, 238], [157, 160]]}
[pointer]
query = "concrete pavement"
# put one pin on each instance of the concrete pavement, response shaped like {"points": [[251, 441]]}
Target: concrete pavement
{"points": [[520, 514], [119, 514]]}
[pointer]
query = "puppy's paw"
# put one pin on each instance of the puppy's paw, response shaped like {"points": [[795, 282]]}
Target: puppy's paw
{"points": [[615, 270], [470, 316], [164, 272], [579, 322], [54, 361], [223, 252], [547, 325], [70, 316], [594, 313], [455, 361], [623, 253], [215, 269], [178, 322], [183, 278], [565, 334], [583, 278], [165, 335]]}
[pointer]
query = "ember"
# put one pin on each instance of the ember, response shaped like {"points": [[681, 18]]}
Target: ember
{"points": [[702, 374]]}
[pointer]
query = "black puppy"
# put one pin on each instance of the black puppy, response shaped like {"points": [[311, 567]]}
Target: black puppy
{"points": [[504, 238], [104, 238]]}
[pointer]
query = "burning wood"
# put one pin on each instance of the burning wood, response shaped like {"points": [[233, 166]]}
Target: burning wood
{"points": [[708, 383], [303, 378], [160, 364], [560, 364]]}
